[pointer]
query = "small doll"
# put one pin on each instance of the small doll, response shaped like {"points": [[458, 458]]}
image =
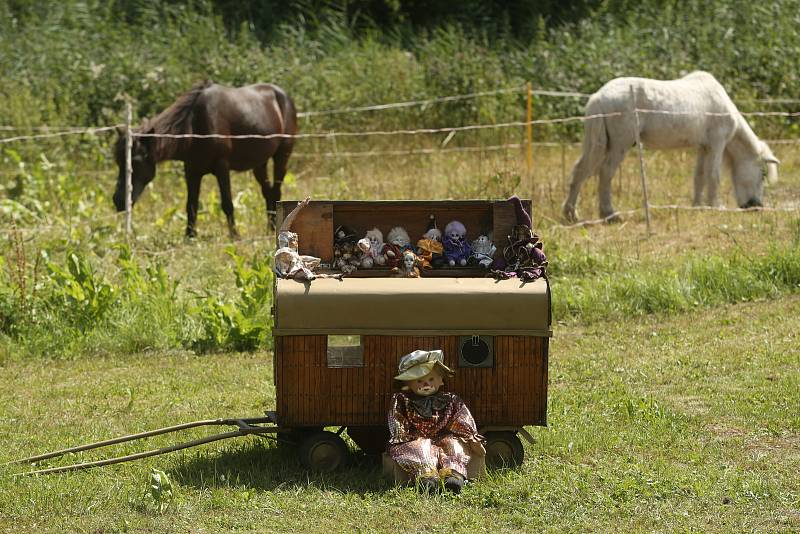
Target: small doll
{"points": [[398, 242], [429, 249], [523, 257], [432, 435], [375, 255], [408, 267], [288, 262], [482, 251], [346, 252], [456, 246]]}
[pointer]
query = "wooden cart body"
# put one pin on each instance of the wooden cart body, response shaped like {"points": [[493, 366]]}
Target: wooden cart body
{"points": [[389, 317]]}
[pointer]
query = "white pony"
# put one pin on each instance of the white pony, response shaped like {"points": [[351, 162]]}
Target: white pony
{"points": [[693, 111]]}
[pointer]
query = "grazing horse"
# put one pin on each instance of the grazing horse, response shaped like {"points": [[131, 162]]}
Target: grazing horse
{"points": [[208, 108], [693, 111]]}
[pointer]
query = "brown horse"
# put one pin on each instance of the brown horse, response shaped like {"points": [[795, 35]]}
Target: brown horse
{"points": [[208, 108]]}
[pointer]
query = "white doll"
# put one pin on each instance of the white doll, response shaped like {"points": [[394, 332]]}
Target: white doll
{"points": [[483, 251], [375, 256]]}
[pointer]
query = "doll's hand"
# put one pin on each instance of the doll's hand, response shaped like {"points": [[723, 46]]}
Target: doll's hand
{"points": [[390, 254]]}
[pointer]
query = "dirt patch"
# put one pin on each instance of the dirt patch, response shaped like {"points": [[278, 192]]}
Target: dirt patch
{"points": [[786, 446]]}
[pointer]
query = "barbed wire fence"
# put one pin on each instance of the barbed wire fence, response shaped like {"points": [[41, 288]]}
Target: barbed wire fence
{"points": [[130, 134]]}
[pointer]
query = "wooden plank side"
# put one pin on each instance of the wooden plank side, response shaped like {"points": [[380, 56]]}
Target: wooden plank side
{"points": [[503, 219], [501, 398], [385, 384], [303, 385], [522, 373], [320, 372], [290, 373], [527, 367], [314, 227], [277, 373], [543, 359]]}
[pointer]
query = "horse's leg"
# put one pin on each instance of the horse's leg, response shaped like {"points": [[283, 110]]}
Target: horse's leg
{"points": [[193, 180], [266, 191], [614, 157], [699, 175], [712, 172], [580, 172], [224, 181]]}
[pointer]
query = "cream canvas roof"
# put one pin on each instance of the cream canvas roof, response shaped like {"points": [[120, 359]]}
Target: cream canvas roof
{"points": [[412, 306]]}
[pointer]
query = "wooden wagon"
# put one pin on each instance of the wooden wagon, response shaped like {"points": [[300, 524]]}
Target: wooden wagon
{"points": [[338, 342]]}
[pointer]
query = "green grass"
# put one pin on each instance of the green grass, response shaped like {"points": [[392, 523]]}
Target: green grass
{"points": [[658, 424]]}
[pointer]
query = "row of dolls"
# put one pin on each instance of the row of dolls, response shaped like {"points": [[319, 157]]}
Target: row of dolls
{"points": [[433, 249]]}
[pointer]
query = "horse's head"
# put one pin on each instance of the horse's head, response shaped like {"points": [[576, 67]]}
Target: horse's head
{"points": [[748, 176], [143, 162]]}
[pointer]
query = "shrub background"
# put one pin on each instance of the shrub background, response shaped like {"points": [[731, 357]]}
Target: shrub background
{"points": [[74, 62]]}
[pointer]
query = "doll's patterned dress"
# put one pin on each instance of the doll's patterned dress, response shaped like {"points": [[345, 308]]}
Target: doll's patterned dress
{"points": [[429, 434]]}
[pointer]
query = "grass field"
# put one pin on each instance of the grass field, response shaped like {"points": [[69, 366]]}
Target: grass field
{"points": [[681, 424], [674, 369]]}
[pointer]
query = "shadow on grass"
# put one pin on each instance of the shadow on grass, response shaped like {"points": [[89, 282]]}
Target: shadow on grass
{"points": [[265, 466]]}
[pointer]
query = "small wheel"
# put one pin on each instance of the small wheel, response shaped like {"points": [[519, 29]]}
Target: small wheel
{"points": [[323, 451], [503, 449]]}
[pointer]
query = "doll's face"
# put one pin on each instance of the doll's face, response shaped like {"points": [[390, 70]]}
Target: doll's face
{"points": [[433, 234], [375, 239], [398, 236], [287, 239], [409, 261], [454, 235], [427, 385]]}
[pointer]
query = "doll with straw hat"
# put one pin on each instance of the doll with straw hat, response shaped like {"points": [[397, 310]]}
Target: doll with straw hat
{"points": [[432, 432]]}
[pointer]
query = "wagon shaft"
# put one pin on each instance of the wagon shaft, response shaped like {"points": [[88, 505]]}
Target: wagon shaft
{"points": [[246, 426]]}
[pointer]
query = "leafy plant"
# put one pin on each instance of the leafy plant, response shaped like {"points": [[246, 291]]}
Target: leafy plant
{"points": [[244, 323], [160, 490], [84, 296]]}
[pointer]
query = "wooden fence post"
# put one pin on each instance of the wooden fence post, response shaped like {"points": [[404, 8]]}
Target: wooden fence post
{"points": [[128, 171], [641, 162]]}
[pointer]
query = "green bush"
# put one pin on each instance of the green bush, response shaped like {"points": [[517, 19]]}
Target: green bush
{"points": [[330, 58], [244, 323]]}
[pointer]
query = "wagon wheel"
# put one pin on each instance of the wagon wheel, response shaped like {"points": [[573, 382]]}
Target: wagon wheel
{"points": [[503, 449], [323, 451]]}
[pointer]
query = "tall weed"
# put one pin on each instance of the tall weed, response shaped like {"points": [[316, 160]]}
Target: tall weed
{"points": [[243, 323]]}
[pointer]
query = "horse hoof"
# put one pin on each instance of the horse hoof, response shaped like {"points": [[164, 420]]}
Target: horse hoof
{"points": [[613, 217], [569, 213], [191, 233]]}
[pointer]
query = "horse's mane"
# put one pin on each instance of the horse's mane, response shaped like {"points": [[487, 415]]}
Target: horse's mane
{"points": [[176, 119]]}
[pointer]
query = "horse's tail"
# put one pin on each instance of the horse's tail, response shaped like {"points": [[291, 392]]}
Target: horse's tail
{"points": [[595, 143], [289, 112]]}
